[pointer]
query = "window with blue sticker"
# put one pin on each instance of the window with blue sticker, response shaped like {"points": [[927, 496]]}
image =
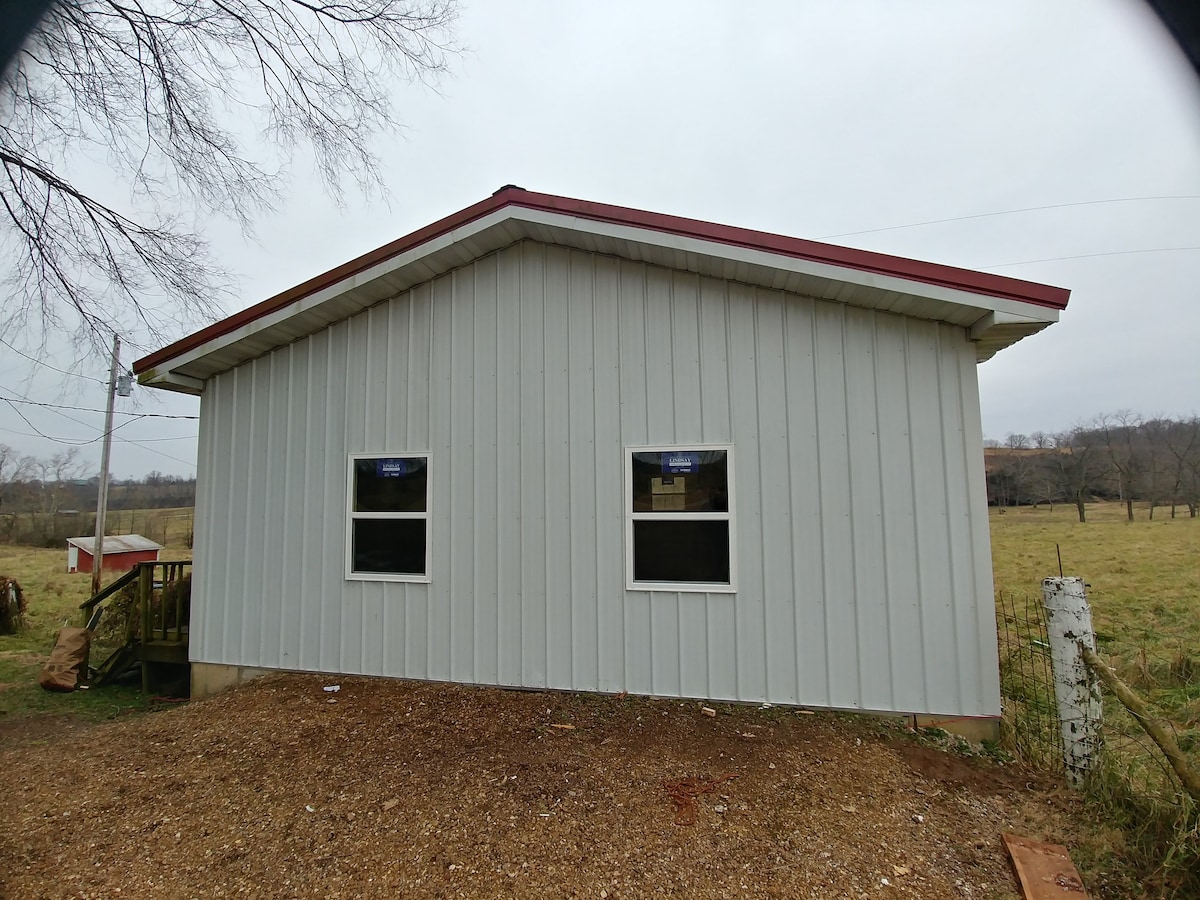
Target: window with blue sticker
{"points": [[387, 535], [679, 518]]}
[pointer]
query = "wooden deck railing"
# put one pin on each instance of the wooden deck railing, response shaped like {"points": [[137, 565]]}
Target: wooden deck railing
{"points": [[156, 629]]}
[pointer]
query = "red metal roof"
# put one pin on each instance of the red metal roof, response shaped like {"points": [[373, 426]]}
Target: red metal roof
{"points": [[510, 195]]}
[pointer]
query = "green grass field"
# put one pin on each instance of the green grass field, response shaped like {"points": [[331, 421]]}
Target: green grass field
{"points": [[52, 598], [1144, 579]]}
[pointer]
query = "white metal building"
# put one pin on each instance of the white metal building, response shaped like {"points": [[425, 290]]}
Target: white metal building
{"points": [[553, 443]]}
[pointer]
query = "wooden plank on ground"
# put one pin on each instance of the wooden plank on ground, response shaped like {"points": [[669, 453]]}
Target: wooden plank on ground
{"points": [[1044, 870]]}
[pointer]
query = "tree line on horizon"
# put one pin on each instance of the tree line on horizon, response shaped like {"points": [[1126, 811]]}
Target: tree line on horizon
{"points": [[1116, 456], [62, 484]]}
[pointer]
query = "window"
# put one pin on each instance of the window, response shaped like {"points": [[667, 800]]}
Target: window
{"points": [[679, 520], [387, 530]]}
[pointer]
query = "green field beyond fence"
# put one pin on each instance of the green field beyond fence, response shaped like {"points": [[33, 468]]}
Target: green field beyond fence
{"points": [[1143, 582]]}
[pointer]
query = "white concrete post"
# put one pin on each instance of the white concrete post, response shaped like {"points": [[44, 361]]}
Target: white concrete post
{"points": [[1076, 687]]}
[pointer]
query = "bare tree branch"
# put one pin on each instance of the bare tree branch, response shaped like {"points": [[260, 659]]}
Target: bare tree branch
{"points": [[164, 92]]}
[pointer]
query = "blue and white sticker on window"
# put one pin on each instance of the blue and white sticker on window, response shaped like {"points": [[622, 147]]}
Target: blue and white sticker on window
{"points": [[396, 468], [680, 463]]}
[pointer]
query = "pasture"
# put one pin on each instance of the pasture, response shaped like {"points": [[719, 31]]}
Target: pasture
{"points": [[1144, 579]]}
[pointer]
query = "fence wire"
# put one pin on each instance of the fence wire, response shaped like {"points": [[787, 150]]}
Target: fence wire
{"points": [[1030, 729]]}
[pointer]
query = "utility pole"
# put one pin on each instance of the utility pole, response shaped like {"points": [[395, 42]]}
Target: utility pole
{"points": [[102, 499]]}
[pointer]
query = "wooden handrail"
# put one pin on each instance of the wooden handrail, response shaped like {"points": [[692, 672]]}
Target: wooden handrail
{"points": [[125, 579]]}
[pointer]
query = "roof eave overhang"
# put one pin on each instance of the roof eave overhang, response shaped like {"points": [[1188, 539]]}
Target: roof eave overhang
{"points": [[994, 318]]}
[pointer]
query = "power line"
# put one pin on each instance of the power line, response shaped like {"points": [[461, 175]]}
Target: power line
{"points": [[86, 425], [48, 366], [1026, 262], [1008, 212], [116, 411], [12, 403], [139, 441]]}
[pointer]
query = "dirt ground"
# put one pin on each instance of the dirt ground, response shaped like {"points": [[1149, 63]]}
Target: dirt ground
{"points": [[389, 789]]}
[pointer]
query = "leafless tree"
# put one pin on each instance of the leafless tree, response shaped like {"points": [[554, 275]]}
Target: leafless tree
{"points": [[1127, 458], [1041, 440], [14, 469], [1077, 463], [54, 473], [162, 93], [1016, 441]]}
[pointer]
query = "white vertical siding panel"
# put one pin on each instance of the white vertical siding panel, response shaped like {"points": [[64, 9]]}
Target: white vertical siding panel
{"points": [[273, 422], [635, 392], [371, 417], [841, 620], [207, 562], [508, 469], [443, 439], [720, 639], [581, 418], [955, 436], [219, 398], [331, 476], [660, 419], [608, 465], [413, 338], [686, 396], [241, 449], [985, 649], [808, 539], [251, 506], [312, 511], [558, 467], [356, 389], [866, 498], [774, 493], [295, 487], [932, 535], [962, 581], [747, 478], [533, 465], [692, 609], [484, 513], [898, 504], [461, 547]]}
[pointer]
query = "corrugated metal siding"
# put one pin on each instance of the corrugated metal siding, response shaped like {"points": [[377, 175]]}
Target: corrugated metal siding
{"points": [[863, 564]]}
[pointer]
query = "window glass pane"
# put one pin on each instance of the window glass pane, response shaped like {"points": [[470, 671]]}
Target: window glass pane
{"points": [[681, 481], [390, 484], [395, 546], [687, 552]]}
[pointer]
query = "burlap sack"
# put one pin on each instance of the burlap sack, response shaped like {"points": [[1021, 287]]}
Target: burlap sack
{"points": [[68, 660]]}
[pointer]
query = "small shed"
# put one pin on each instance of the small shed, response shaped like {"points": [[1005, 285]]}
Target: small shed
{"points": [[551, 443], [121, 552]]}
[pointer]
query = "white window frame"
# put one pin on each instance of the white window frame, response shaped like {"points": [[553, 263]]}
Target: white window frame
{"points": [[351, 516], [704, 587]]}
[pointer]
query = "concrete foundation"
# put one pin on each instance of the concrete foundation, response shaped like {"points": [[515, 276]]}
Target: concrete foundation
{"points": [[975, 730], [213, 678]]}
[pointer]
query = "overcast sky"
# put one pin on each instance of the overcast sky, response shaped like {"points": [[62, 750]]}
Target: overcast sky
{"points": [[812, 119]]}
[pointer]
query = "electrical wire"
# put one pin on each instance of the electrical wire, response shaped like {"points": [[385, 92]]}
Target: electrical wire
{"points": [[65, 440], [185, 462], [91, 409], [182, 437], [48, 366], [1028, 262], [1007, 212]]}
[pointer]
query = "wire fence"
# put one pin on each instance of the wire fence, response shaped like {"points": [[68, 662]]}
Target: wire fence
{"points": [[1130, 785], [1030, 729]]}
